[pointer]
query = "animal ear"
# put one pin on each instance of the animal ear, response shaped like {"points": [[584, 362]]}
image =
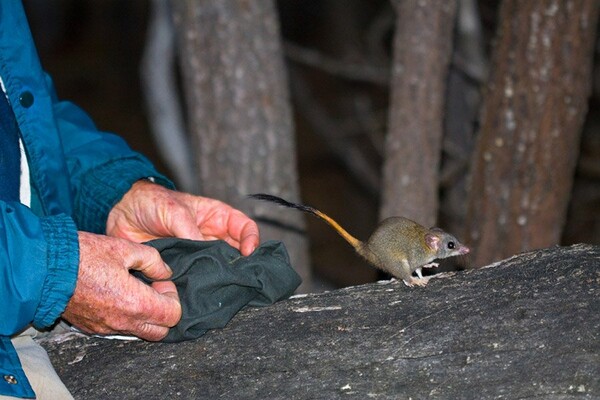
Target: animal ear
{"points": [[433, 241]]}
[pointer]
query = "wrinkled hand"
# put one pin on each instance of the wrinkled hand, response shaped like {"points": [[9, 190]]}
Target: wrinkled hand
{"points": [[108, 299], [149, 211]]}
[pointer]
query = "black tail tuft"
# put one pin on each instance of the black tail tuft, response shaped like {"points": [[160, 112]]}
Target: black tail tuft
{"points": [[354, 242], [281, 202]]}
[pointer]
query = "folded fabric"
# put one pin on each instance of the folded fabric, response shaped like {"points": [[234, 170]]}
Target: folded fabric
{"points": [[215, 281]]}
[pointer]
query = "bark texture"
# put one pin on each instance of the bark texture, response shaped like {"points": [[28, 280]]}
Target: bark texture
{"points": [[526, 327], [239, 111], [422, 48], [533, 111]]}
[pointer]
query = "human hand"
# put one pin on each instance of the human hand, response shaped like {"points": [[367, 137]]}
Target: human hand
{"points": [[108, 299], [149, 211]]}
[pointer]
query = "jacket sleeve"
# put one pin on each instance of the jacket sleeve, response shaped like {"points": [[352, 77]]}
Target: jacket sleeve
{"points": [[39, 258], [101, 165]]}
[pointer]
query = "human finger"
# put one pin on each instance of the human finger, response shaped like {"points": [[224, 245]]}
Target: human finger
{"points": [[243, 231], [152, 333], [168, 289], [147, 260], [182, 224], [160, 311], [250, 240]]}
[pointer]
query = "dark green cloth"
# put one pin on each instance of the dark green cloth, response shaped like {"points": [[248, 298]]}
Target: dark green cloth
{"points": [[215, 281]]}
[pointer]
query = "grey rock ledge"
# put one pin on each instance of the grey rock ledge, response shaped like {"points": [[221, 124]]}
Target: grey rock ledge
{"points": [[525, 327]]}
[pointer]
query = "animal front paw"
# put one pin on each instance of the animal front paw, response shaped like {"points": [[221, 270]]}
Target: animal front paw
{"points": [[416, 281]]}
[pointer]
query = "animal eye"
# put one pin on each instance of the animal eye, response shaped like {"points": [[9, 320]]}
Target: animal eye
{"points": [[451, 245]]}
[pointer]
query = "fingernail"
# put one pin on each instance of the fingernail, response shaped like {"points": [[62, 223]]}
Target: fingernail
{"points": [[168, 268]]}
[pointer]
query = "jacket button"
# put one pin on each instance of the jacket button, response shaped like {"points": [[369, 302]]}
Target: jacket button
{"points": [[10, 379], [26, 99]]}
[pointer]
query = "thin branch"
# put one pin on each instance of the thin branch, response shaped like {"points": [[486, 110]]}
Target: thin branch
{"points": [[354, 72], [161, 96], [349, 153]]}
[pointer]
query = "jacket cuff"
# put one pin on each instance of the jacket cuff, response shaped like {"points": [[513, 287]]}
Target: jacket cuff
{"points": [[62, 251], [105, 185]]}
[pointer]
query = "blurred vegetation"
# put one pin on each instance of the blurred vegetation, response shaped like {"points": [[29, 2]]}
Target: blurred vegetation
{"points": [[339, 55]]}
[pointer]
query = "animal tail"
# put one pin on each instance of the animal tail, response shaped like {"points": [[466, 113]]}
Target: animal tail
{"points": [[354, 242]]}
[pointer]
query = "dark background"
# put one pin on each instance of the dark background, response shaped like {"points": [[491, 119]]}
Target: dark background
{"points": [[93, 48]]}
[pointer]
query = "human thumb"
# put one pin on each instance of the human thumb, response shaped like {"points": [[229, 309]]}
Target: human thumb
{"points": [[147, 260]]}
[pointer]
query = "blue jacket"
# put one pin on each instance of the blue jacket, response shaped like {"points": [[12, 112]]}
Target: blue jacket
{"points": [[77, 175]]}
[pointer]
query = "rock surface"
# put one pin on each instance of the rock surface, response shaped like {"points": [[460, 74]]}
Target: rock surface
{"points": [[526, 327]]}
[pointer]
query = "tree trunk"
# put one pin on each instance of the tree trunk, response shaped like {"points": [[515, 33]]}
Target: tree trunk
{"points": [[163, 107], [422, 48], [467, 74], [239, 111], [533, 111]]}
